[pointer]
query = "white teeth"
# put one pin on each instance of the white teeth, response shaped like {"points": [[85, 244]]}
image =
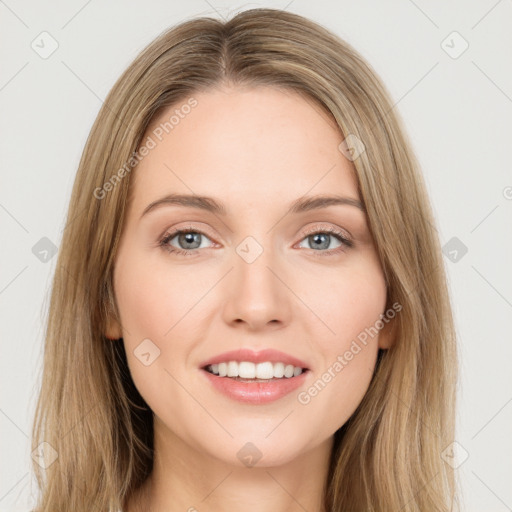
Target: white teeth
{"points": [[248, 370], [288, 371], [263, 370], [278, 370], [232, 369]]}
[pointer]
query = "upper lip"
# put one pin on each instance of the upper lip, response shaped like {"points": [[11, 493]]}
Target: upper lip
{"points": [[246, 354]]}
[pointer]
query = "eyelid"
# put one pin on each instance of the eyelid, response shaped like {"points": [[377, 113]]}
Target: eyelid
{"points": [[330, 229], [189, 227], [169, 234]]}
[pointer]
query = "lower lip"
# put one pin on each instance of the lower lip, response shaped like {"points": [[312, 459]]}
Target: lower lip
{"points": [[256, 392]]}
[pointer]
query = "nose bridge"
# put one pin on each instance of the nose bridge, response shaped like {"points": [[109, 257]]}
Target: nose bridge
{"points": [[256, 295]]}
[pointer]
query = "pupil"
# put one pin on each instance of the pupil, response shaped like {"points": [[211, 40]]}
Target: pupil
{"points": [[317, 238], [189, 239]]}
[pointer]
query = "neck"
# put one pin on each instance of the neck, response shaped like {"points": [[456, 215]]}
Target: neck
{"points": [[187, 479]]}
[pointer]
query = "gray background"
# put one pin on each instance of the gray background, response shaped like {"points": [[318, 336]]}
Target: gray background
{"points": [[457, 109]]}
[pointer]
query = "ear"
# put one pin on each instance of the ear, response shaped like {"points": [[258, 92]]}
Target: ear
{"points": [[387, 334], [113, 331]]}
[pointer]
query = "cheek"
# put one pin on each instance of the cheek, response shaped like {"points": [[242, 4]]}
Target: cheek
{"points": [[151, 299], [347, 302], [336, 391], [162, 303], [351, 307], [150, 304]]}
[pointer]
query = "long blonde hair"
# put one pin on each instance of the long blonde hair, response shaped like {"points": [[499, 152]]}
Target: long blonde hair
{"points": [[388, 456]]}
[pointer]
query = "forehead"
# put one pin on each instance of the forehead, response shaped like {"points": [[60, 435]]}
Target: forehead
{"points": [[247, 146]]}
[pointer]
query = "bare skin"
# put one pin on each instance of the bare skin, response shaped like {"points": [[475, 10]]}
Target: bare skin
{"points": [[256, 151]]}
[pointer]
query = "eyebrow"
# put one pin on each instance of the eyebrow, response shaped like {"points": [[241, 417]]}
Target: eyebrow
{"points": [[303, 204]]}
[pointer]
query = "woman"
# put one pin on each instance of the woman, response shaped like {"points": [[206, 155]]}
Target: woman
{"points": [[249, 309]]}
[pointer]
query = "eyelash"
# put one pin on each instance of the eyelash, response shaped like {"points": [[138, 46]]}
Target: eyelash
{"points": [[346, 243]]}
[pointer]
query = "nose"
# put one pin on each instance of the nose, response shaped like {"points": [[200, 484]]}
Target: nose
{"points": [[256, 293]]}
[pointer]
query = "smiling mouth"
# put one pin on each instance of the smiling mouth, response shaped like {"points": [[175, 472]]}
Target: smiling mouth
{"points": [[246, 371]]}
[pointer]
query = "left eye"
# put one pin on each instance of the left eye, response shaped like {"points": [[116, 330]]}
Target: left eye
{"points": [[322, 239], [190, 239]]}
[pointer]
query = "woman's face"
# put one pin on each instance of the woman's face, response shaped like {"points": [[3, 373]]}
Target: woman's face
{"points": [[258, 275]]}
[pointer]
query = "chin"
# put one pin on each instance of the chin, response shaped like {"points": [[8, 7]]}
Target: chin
{"points": [[257, 449]]}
